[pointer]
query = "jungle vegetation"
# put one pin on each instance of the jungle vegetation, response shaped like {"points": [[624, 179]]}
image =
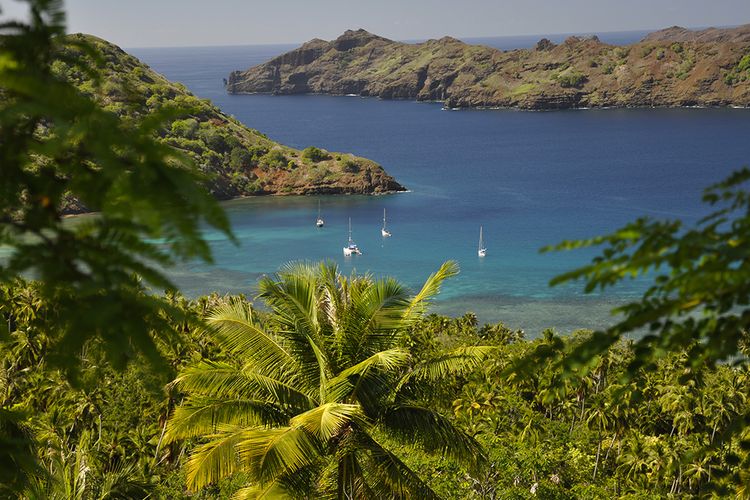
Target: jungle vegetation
{"points": [[340, 386]]}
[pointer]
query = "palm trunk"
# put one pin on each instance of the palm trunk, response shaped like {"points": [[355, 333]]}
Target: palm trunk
{"points": [[598, 454], [345, 483], [583, 405], [161, 438], [611, 444]]}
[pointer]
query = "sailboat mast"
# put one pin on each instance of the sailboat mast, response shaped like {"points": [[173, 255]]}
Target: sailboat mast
{"points": [[384, 218], [350, 229], [480, 237]]}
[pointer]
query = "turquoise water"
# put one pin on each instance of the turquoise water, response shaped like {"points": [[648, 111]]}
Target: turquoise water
{"points": [[530, 178]]}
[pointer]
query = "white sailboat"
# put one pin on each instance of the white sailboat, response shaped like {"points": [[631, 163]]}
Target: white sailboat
{"points": [[482, 249], [351, 248], [320, 222], [384, 231]]}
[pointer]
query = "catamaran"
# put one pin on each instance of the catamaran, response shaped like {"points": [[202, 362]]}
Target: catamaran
{"points": [[384, 231], [482, 249], [351, 248], [320, 222]]}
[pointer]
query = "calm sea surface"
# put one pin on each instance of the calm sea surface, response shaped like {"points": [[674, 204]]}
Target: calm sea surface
{"points": [[530, 178]]}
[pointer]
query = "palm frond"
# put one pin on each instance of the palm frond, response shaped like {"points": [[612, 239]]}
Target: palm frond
{"points": [[294, 301], [272, 490], [218, 379], [297, 484], [394, 479], [429, 290], [267, 454], [272, 453], [328, 420], [201, 416], [233, 326], [458, 362], [374, 319], [216, 459], [374, 373], [415, 424], [324, 368]]}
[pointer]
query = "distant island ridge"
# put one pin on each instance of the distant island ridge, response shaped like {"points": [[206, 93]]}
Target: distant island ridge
{"points": [[672, 67]]}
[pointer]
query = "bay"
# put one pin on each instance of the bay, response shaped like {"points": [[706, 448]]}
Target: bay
{"points": [[529, 178]]}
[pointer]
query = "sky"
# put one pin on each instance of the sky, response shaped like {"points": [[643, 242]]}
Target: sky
{"points": [[173, 23]]}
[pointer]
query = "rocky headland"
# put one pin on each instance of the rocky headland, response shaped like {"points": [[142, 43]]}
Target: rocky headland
{"points": [[239, 161], [668, 68]]}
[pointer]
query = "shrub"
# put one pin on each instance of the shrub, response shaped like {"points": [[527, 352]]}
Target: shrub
{"points": [[350, 166], [744, 64], [274, 159], [739, 73], [240, 159], [621, 52], [185, 128], [660, 54], [213, 139], [187, 144], [315, 154], [257, 152], [676, 47], [572, 79]]}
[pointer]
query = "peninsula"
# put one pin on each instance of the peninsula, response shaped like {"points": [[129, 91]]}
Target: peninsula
{"points": [[239, 161], [668, 68]]}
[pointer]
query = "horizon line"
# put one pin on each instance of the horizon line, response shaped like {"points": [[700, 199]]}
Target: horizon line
{"points": [[417, 40]]}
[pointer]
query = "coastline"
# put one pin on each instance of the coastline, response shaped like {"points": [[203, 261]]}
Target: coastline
{"points": [[493, 107]]}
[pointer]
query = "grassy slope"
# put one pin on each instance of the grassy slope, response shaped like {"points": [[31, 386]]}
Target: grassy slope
{"points": [[241, 161], [669, 68]]}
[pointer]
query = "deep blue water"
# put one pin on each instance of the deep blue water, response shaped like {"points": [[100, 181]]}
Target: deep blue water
{"points": [[530, 178]]}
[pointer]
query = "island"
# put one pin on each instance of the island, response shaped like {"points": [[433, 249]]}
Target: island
{"points": [[668, 68], [239, 161]]}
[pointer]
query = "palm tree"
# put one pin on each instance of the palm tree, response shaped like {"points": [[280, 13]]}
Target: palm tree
{"points": [[599, 419], [316, 392]]}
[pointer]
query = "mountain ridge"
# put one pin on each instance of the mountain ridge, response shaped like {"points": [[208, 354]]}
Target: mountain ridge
{"points": [[671, 67]]}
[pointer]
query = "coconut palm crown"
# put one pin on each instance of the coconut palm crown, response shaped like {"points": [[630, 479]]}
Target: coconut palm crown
{"points": [[318, 388]]}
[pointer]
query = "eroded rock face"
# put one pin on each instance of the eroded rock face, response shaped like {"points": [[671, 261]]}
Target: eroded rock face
{"points": [[672, 67]]}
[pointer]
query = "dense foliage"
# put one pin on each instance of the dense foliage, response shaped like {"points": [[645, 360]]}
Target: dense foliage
{"points": [[596, 436], [339, 388], [56, 142]]}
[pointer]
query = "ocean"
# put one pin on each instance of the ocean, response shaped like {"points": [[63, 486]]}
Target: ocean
{"points": [[530, 179]]}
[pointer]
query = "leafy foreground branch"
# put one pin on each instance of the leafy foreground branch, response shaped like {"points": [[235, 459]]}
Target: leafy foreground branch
{"points": [[58, 144]]}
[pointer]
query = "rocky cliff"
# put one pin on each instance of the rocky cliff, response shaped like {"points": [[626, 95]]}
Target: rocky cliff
{"points": [[240, 161], [672, 67]]}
